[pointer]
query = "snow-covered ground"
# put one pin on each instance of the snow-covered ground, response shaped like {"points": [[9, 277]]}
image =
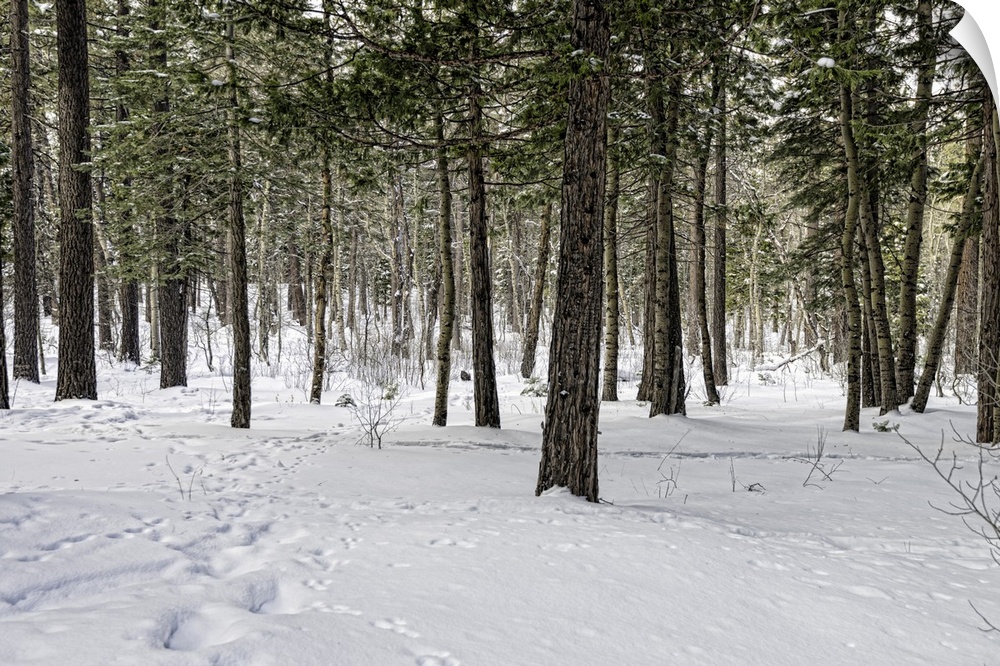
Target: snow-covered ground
{"points": [[141, 529]]}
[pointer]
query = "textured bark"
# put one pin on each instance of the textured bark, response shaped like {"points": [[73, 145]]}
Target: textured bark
{"points": [[238, 253], [569, 435], [447, 277], [173, 232], [537, 293], [852, 412], [967, 309], [698, 282], [915, 210], [645, 389], [319, 292], [23, 167], [609, 389], [718, 332], [935, 341], [668, 360], [867, 216], [987, 424], [484, 378], [77, 371], [296, 295], [105, 306]]}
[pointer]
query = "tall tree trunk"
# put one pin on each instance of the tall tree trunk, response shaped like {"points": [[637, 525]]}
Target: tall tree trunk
{"points": [[23, 166], [668, 361], [105, 306], [487, 401], [987, 424], [448, 278], [645, 392], [698, 284], [569, 434], [238, 251], [867, 216], [320, 289], [537, 294], [935, 341], [609, 390], [967, 309], [77, 372], [915, 210], [718, 332], [852, 413]]}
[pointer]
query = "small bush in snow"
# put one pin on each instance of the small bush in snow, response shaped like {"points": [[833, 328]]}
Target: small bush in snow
{"points": [[535, 387], [345, 400], [883, 426]]}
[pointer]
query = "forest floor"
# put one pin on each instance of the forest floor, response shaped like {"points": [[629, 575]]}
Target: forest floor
{"points": [[141, 529]]}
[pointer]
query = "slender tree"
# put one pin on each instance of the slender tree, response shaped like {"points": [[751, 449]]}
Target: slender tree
{"points": [[25, 290]]}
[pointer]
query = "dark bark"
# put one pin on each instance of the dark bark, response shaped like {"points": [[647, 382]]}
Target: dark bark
{"points": [[935, 341], [852, 412], [77, 371], [718, 331], [537, 293], [296, 295], [487, 401], [645, 389], [967, 309], [668, 361], [23, 169], [448, 279], [915, 210], [569, 434], [238, 254], [319, 317], [987, 430], [698, 283]]}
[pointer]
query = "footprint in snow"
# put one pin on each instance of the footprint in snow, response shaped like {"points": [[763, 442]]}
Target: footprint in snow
{"points": [[439, 658], [396, 625]]}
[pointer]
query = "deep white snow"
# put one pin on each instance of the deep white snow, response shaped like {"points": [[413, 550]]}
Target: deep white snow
{"points": [[141, 529]]}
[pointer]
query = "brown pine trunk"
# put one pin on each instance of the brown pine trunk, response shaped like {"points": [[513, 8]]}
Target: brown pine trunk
{"points": [[987, 424], [238, 253], [569, 434], [77, 372], [23, 167], [967, 309], [668, 362], [487, 402], [645, 392]]}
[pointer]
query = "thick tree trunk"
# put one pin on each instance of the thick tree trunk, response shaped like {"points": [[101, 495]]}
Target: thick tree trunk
{"points": [[609, 389], [935, 341], [987, 423], [23, 167], [238, 252], [447, 277], [77, 372], [483, 366], [569, 434], [537, 294], [915, 210]]}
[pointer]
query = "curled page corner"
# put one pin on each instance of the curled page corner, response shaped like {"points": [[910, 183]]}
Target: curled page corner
{"points": [[971, 37]]}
